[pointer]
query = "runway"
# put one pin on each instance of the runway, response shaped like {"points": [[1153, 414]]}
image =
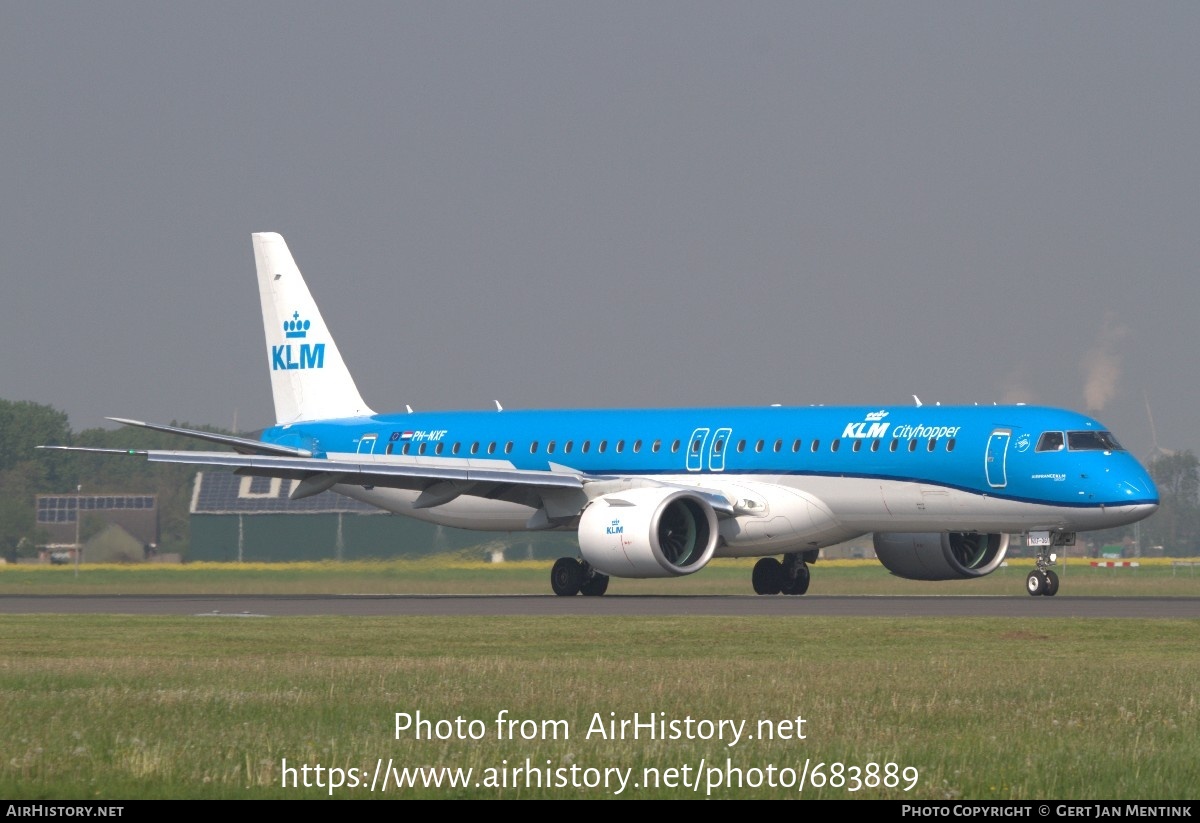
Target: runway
{"points": [[609, 605]]}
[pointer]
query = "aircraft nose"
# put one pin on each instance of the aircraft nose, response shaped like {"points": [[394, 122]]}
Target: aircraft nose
{"points": [[1138, 489]]}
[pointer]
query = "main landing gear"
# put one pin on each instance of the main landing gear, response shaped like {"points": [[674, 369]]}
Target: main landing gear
{"points": [[570, 577], [1042, 581], [773, 577]]}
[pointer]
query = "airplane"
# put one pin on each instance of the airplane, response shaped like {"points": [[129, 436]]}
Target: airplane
{"points": [[658, 493]]}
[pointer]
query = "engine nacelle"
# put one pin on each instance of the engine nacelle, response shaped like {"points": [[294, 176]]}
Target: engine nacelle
{"points": [[648, 532], [941, 556]]}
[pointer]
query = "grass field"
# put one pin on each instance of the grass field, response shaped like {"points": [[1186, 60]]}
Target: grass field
{"points": [[115, 707]]}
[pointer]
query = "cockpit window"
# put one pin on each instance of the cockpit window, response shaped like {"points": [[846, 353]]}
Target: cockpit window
{"points": [[1050, 442], [1093, 442]]}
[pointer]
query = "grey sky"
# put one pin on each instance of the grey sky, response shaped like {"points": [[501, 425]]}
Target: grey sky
{"points": [[607, 204]]}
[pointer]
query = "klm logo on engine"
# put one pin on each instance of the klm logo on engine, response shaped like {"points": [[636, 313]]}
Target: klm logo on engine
{"points": [[300, 355], [615, 528], [862, 431]]}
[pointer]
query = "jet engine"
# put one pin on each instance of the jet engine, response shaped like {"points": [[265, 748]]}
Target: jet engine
{"points": [[648, 532], [941, 556]]}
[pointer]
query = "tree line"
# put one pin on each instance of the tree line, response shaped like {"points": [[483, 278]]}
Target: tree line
{"points": [[26, 472]]}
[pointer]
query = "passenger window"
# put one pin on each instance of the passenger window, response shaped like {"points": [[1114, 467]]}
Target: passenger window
{"points": [[912, 445], [454, 448], [492, 447], [758, 447], [567, 447], [474, 448], [834, 445], [932, 445], [717, 447], [795, 446], [533, 447], [695, 447], [857, 446], [816, 445], [586, 447], [741, 447], [637, 446], [550, 447], [656, 446], [508, 447], [894, 445], [405, 449], [778, 445], [421, 448], [875, 445], [620, 446], [675, 447], [1050, 442], [950, 445], [603, 445], [437, 449], [388, 450]]}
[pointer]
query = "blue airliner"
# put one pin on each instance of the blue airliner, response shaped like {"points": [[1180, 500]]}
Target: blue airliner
{"points": [[660, 492]]}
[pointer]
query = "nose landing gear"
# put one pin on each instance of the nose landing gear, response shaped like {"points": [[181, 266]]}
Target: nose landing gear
{"points": [[1042, 581]]}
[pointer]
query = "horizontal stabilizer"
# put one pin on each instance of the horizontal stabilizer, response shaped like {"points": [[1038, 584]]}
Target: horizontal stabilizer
{"points": [[243, 445]]}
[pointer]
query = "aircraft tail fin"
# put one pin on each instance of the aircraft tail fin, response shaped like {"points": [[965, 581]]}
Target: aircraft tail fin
{"points": [[309, 379]]}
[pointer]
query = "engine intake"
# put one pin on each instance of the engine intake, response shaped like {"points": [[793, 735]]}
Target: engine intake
{"points": [[648, 532], [941, 556]]}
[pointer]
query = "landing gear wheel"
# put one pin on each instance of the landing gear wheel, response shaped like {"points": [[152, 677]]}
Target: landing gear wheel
{"points": [[595, 585], [566, 577], [767, 576], [1037, 583], [798, 584], [1051, 583]]}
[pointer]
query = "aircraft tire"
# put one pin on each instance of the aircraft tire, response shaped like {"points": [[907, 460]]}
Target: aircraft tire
{"points": [[767, 577], [1036, 583], [595, 586], [1051, 583], [800, 584], [566, 578]]}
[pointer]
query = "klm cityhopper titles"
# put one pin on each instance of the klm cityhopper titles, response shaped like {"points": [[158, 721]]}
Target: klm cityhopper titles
{"points": [[660, 492]]}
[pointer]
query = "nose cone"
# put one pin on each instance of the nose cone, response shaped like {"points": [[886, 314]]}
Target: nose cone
{"points": [[1137, 496], [1141, 487]]}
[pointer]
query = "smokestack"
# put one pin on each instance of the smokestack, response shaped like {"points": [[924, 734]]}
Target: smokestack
{"points": [[1102, 365]]}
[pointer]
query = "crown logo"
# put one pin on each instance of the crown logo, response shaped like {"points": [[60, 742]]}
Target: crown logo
{"points": [[296, 327]]}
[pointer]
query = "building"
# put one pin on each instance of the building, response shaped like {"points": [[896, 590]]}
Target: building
{"points": [[109, 527], [240, 518]]}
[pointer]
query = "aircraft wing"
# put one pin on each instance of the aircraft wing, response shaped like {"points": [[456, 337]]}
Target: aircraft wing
{"points": [[438, 484], [330, 471]]}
